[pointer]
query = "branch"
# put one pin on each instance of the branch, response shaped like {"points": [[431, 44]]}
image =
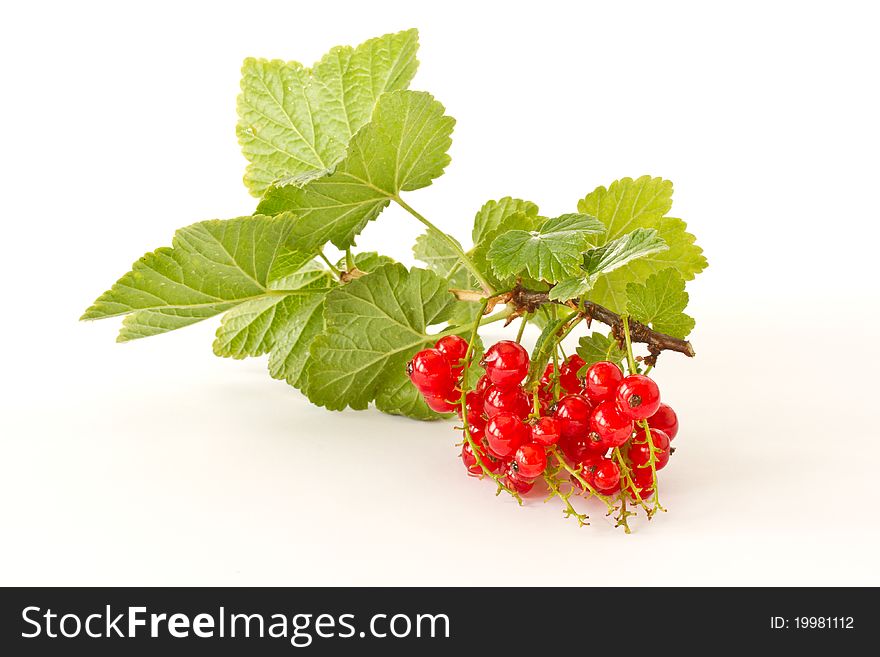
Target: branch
{"points": [[529, 301]]}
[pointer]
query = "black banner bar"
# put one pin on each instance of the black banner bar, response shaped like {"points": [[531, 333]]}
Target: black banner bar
{"points": [[508, 621]]}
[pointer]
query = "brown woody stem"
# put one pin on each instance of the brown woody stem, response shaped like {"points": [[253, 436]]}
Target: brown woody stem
{"points": [[525, 300]]}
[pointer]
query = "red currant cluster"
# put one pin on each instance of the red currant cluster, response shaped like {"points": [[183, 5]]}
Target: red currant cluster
{"points": [[585, 419]]}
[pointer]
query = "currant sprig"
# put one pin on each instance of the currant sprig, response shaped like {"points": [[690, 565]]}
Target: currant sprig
{"points": [[328, 149]]}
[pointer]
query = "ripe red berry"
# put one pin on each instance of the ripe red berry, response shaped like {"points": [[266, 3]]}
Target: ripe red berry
{"points": [[482, 386], [453, 349], [529, 461], [505, 432], [638, 397], [506, 363], [477, 428], [640, 452], [521, 486], [473, 404], [546, 431], [587, 468], [642, 477], [440, 404], [601, 380], [582, 448], [606, 476], [665, 419], [573, 413], [470, 461], [506, 400], [612, 426], [430, 373], [568, 377]]}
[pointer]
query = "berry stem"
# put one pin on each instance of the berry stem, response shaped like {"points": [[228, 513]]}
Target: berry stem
{"points": [[630, 360], [577, 475], [477, 452], [335, 271], [454, 245], [522, 328], [555, 486]]}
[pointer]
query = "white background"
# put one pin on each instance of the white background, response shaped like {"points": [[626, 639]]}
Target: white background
{"points": [[156, 463]]}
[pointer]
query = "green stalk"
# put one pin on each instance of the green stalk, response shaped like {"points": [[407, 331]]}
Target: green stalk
{"points": [[462, 256]]}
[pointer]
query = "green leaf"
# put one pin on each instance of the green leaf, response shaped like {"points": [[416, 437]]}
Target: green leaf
{"points": [[683, 255], [660, 302], [551, 253], [294, 120], [436, 252], [211, 267], [514, 220], [290, 352], [366, 261], [251, 329], [402, 148], [373, 327], [596, 347], [541, 354], [628, 204], [604, 259], [623, 207], [494, 213]]}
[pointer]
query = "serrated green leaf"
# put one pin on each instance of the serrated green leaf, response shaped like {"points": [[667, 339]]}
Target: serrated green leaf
{"points": [[290, 351], [373, 326], [604, 259], [551, 253], [251, 329], [660, 302], [479, 254], [402, 148], [494, 213], [294, 120], [597, 347], [629, 204], [211, 267], [366, 261], [292, 269], [683, 255], [436, 252]]}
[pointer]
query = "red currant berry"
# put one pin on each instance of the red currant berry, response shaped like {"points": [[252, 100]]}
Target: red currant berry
{"points": [[473, 405], [612, 426], [573, 413], [506, 363], [666, 420], [509, 400], [477, 429], [453, 349], [482, 386], [521, 486], [546, 431], [568, 377], [606, 476], [470, 461], [640, 452], [529, 461], [587, 468], [601, 380], [505, 432], [441, 404], [638, 397], [642, 477], [430, 373], [582, 448]]}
